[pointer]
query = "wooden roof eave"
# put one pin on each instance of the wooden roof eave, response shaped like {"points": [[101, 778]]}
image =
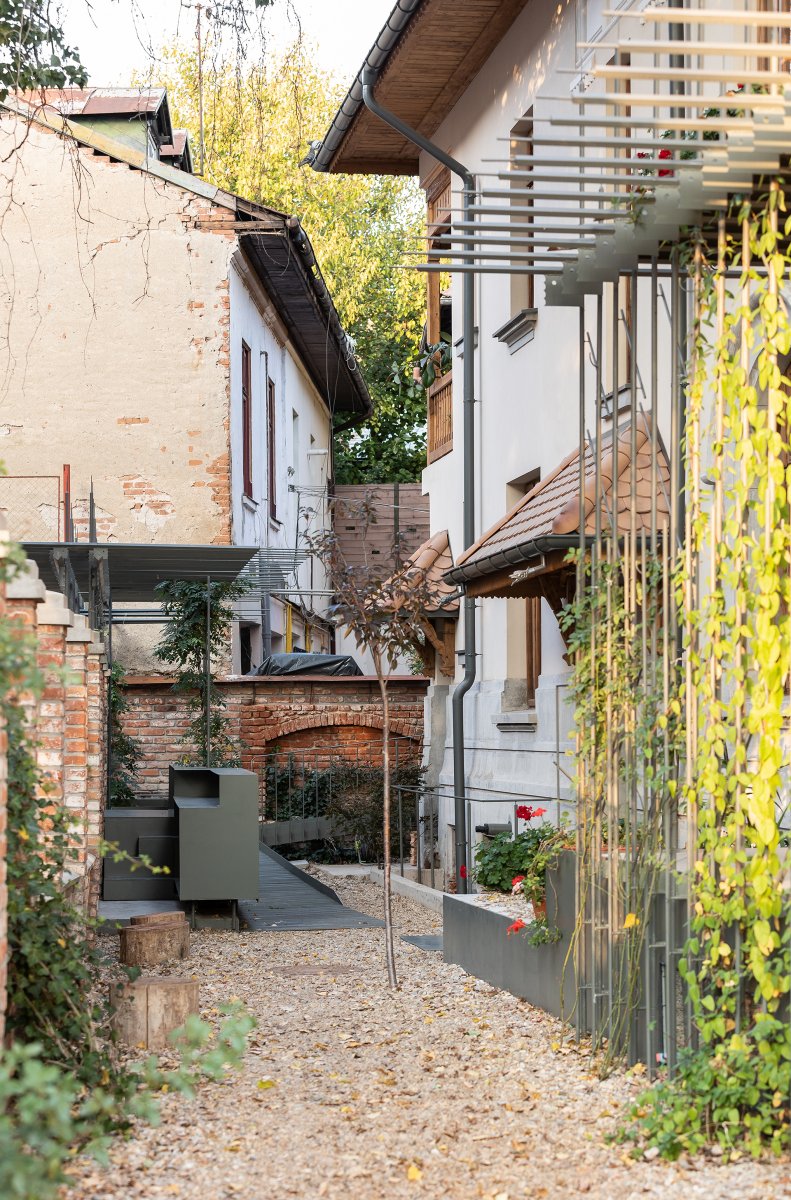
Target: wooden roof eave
{"points": [[422, 74], [500, 584]]}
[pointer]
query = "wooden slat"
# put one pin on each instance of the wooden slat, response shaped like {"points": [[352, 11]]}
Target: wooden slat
{"points": [[440, 52], [440, 417]]}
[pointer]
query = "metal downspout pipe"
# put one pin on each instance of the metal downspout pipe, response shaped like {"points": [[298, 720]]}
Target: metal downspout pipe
{"points": [[369, 78]]}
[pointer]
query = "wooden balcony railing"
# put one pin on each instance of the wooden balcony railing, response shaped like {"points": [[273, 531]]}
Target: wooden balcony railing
{"points": [[440, 417]]}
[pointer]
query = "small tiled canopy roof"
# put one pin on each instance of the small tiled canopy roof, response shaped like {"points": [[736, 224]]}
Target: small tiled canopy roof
{"points": [[546, 521], [428, 566], [434, 559]]}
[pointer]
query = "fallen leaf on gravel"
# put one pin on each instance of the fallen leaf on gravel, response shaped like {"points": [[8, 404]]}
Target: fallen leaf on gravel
{"points": [[265, 1083], [413, 1173]]}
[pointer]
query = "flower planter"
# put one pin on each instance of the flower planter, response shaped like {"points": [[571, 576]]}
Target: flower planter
{"points": [[476, 938]]}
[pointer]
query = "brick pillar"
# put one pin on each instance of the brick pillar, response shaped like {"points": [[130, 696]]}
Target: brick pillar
{"points": [[53, 620], [97, 675], [3, 817]]}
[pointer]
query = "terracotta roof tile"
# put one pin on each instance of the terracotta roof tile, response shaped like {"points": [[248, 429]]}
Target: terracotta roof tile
{"points": [[433, 559], [552, 507]]}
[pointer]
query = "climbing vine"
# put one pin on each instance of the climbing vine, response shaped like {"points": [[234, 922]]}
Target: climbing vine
{"points": [[63, 1086], [183, 645], [628, 732], [733, 1085]]}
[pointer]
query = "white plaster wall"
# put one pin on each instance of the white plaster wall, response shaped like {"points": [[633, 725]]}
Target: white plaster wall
{"points": [[527, 418], [113, 335], [302, 462]]}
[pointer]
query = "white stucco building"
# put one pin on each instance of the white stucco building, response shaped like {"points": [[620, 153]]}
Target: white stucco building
{"points": [[498, 71]]}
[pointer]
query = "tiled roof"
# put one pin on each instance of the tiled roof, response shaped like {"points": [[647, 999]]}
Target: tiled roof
{"points": [[428, 566], [434, 559], [551, 509]]}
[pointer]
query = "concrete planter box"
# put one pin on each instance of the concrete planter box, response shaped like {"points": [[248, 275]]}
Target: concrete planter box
{"points": [[476, 939]]}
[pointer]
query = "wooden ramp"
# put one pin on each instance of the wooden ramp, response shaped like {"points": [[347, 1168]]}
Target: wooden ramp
{"points": [[290, 899]]}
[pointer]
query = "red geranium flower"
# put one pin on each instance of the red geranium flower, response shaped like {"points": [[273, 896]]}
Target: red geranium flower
{"points": [[463, 872], [664, 154], [539, 812], [516, 879], [517, 925], [524, 812]]}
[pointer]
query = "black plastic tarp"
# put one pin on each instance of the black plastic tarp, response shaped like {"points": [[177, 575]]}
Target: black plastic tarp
{"points": [[308, 664]]}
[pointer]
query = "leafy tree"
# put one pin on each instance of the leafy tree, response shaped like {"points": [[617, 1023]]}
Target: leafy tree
{"points": [[183, 645], [258, 126], [34, 52], [386, 616]]}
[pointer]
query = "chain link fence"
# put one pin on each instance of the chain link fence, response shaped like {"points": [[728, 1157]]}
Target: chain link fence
{"points": [[34, 508]]}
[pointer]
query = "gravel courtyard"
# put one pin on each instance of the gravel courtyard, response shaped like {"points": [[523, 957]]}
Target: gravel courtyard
{"points": [[444, 1090]]}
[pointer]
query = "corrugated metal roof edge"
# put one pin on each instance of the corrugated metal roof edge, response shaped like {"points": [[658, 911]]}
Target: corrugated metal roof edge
{"points": [[238, 204]]}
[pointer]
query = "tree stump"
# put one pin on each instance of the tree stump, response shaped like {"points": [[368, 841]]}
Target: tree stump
{"points": [[147, 1010], [155, 940]]}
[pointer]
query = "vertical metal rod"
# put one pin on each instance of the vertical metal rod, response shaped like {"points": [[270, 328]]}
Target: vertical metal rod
{"points": [[400, 828], [615, 407], [208, 670], [580, 890], [431, 833], [744, 363]]}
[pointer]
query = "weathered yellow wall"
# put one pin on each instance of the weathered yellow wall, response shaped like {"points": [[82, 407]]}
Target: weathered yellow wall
{"points": [[114, 321]]}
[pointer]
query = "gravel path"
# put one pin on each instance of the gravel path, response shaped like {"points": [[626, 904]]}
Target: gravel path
{"points": [[445, 1090]]}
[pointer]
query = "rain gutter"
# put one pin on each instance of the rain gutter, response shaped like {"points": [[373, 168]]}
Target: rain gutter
{"points": [[369, 76], [301, 243], [515, 556], [322, 153]]}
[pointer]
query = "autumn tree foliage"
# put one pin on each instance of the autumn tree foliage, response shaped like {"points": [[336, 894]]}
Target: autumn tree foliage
{"points": [[259, 121]]}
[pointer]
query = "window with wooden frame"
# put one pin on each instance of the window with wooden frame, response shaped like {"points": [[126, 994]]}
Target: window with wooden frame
{"points": [[438, 218], [271, 433], [523, 287], [519, 328], [775, 36], [522, 624], [439, 398], [624, 348], [247, 423]]}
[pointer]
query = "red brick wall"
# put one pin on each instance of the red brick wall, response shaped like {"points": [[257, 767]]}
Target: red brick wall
{"points": [[69, 722], [338, 716], [3, 841]]}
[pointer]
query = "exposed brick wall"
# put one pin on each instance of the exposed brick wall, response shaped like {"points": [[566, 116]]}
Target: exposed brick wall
{"points": [[335, 716], [69, 721], [3, 827]]}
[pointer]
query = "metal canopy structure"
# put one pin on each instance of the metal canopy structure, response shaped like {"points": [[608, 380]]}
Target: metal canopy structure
{"points": [[660, 131], [133, 570]]}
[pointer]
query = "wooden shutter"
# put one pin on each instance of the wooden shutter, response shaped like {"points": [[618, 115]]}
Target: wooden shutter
{"points": [[247, 423], [533, 647], [270, 441]]}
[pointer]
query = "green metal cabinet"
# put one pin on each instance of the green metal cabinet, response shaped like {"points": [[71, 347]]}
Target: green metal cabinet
{"points": [[216, 810]]}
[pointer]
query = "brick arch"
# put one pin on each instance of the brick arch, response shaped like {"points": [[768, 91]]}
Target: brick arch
{"points": [[299, 723]]}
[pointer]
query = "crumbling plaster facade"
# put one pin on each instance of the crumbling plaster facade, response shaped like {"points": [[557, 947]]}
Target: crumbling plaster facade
{"points": [[127, 299], [114, 352]]}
